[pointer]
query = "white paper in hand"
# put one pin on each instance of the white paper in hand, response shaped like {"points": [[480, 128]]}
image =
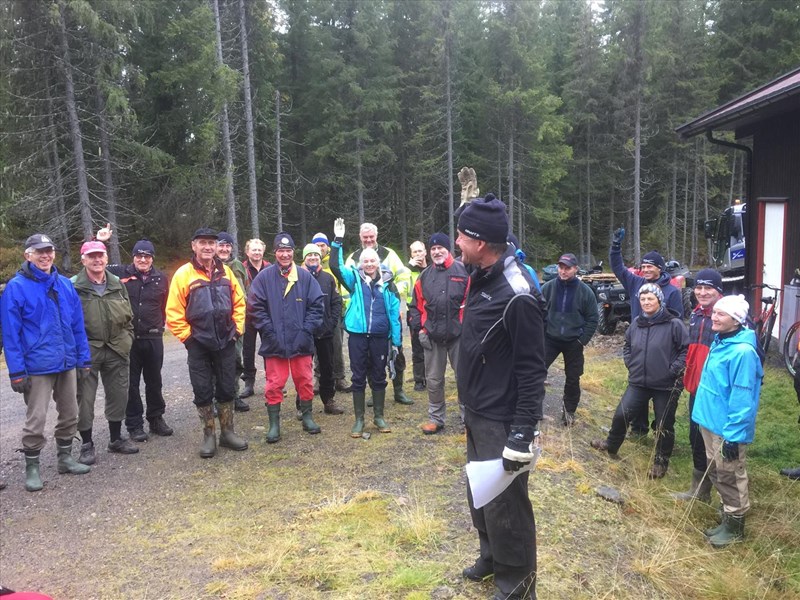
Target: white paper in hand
{"points": [[488, 479]]}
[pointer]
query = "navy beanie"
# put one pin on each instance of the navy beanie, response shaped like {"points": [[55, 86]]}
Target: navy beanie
{"points": [[144, 247], [283, 240], [485, 219], [709, 277], [439, 239], [225, 238], [654, 258]]}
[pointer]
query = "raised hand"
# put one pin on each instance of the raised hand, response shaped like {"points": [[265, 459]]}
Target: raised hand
{"points": [[338, 227], [104, 233]]}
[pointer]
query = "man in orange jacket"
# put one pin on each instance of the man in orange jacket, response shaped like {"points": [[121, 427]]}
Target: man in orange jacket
{"points": [[205, 311]]}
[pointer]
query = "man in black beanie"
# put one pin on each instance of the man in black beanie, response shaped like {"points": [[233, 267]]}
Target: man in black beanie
{"points": [[500, 375]]}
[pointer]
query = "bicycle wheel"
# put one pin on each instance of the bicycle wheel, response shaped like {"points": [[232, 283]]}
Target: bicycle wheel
{"points": [[790, 357]]}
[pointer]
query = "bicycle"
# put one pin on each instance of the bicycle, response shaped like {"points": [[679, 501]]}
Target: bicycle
{"points": [[764, 321], [791, 356]]}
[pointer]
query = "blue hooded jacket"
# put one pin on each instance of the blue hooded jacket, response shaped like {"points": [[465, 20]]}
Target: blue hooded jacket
{"points": [[727, 397], [43, 331]]}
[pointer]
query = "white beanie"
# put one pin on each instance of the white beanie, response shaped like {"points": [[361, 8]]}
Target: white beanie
{"points": [[735, 306]]}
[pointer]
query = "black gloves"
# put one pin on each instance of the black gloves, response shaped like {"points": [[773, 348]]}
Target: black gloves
{"points": [[616, 240], [21, 385], [730, 450], [518, 451]]}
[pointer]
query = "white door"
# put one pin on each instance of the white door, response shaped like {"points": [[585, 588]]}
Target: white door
{"points": [[772, 267]]}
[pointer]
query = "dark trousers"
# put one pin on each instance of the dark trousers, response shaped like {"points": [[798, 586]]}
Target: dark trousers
{"points": [[699, 459], [324, 349], [417, 358], [147, 358], [368, 356], [636, 399], [212, 373], [249, 352], [573, 368], [506, 526]]}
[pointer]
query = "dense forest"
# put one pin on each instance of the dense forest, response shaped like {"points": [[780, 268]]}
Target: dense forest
{"points": [[261, 115]]}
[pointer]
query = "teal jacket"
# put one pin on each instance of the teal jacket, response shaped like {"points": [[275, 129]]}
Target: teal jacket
{"points": [[727, 397], [356, 319]]}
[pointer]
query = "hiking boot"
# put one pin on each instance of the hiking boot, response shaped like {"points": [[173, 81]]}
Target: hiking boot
{"points": [[378, 401], [122, 446], [66, 463], [331, 408], [478, 572], [159, 427], [274, 413], [567, 418], [699, 489], [791, 473], [341, 386], [240, 405], [358, 409], [657, 471], [602, 445], [431, 428], [228, 438], [731, 531], [137, 434], [87, 456], [33, 481], [209, 446], [248, 390], [308, 421]]}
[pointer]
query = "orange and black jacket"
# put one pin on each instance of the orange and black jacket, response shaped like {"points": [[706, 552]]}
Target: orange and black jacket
{"points": [[209, 309]]}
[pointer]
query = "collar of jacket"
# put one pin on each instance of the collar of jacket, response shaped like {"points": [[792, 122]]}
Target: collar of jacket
{"points": [[448, 262], [217, 267], [82, 281], [31, 271]]}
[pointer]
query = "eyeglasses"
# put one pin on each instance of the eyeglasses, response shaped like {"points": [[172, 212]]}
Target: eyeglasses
{"points": [[142, 257]]}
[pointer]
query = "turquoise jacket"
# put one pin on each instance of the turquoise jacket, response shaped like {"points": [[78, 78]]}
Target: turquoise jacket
{"points": [[356, 319], [727, 397]]}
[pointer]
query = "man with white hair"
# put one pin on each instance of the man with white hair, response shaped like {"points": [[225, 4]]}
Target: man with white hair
{"points": [[108, 319], [725, 408], [46, 353], [368, 234]]}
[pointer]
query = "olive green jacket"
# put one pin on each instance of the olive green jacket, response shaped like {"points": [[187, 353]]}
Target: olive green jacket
{"points": [[108, 318]]}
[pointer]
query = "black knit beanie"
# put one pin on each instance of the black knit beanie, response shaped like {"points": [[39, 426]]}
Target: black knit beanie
{"points": [[485, 219]]}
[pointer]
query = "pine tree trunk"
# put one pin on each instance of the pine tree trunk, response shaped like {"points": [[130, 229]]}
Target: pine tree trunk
{"points": [[695, 193], [230, 199], [359, 183], [510, 168], [672, 222], [684, 256], [449, 100], [421, 208], [278, 166], [108, 176], [637, 181], [74, 127], [56, 183], [705, 201], [248, 120], [588, 192], [401, 187]]}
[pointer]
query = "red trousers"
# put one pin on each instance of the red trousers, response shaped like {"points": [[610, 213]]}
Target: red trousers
{"points": [[277, 371]]}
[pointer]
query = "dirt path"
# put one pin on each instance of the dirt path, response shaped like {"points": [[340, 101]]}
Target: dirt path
{"points": [[132, 528]]}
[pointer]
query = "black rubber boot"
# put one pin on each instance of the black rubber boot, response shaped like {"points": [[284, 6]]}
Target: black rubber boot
{"points": [[274, 413], [248, 389], [209, 447], [66, 463], [228, 438], [791, 473], [359, 401], [33, 481], [308, 420], [399, 395], [378, 402]]}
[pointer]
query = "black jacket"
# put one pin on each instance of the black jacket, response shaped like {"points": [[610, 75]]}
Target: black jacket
{"points": [[501, 368], [148, 297], [655, 351], [437, 303], [332, 303], [571, 310]]}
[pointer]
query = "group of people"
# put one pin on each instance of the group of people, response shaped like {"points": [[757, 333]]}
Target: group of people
{"points": [[485, 312]]}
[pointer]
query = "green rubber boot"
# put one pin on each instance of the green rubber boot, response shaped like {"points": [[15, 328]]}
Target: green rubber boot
{"points": [[308, 420], [399, 395], [66, 463], [359, 401], [33, 482], [274, 413], [228, 438], [378, 402], [209, 447], [733, 531], [715, 530], [699, 489]]}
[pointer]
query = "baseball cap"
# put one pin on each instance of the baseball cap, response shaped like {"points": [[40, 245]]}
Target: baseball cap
{"points": [[93, 247], [568, 259], [38, 241]]}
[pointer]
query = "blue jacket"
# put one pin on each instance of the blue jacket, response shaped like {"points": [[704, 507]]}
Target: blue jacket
{"points": [[632, 282], [352, 279], [727, 397], [287, 311], [42, 318]]}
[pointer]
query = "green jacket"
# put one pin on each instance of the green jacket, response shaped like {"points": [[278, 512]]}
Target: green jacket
{"points": [[239, 271], [108, 318], [571, 310]]}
